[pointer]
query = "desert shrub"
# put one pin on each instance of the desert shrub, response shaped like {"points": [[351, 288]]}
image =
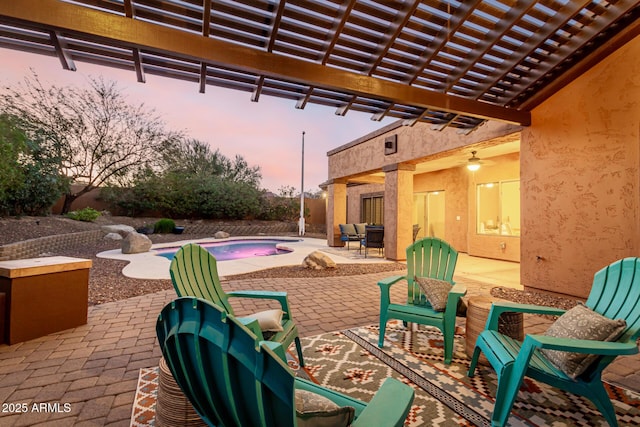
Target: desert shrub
{"points": [[280, 208], [185, 194], [29, 180], [87, 214], [164, 225]]}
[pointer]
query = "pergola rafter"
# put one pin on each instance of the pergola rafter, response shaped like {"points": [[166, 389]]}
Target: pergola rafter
{"points": [[448, 63]]}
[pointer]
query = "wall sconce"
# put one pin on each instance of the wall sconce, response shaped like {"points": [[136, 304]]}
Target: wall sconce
{"points": [[391, 145], [474, 162]]}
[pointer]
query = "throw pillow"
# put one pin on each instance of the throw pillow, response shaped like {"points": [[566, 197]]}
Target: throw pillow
{"points": [[585, 324], [314, 410], [269, 320], [436, 291]]}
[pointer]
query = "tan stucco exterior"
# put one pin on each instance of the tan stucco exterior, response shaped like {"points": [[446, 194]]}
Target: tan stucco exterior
{"points": [[415, 144], [580, 180], [578, 168]]}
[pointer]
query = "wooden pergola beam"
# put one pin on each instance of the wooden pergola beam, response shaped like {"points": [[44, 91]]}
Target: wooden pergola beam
{"points": [[133, 33]]}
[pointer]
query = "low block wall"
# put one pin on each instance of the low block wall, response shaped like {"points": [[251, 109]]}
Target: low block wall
{"points": [[240, 230], [34, 248]]}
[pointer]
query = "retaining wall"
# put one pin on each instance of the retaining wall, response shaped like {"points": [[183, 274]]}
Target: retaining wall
{"points": [[34, 248], [241, 230], [42, 246]]}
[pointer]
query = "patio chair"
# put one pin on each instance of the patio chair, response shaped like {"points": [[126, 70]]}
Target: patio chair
{"points": [[615, 294], [348, 233], [233, 379], [428, 258], [194, 273], [373, 238]]}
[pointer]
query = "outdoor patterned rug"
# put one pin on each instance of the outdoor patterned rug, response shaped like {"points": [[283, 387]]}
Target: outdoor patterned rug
{"points": [[350, 362]]}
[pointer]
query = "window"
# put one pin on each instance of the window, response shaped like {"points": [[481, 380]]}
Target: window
{"points": [[373, 209], [498, 208]]}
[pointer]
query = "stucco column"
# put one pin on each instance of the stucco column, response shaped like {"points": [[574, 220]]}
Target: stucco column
{"points": [[336, 211], [398, 209]]}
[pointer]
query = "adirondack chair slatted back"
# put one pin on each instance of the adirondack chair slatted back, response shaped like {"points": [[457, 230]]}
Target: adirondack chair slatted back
{"points": [[217, 363], [429, 257], [615, 294], [194, 272]]}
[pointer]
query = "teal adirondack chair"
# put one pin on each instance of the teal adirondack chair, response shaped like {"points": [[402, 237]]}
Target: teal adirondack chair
{"points": [[233, 379], [428, 257], [615, 294], [194, 273]]}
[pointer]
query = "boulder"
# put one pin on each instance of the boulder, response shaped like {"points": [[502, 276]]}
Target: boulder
{"points": [[318, 261], [113, 236], [221, 235], [135, 243], [121, 229]]}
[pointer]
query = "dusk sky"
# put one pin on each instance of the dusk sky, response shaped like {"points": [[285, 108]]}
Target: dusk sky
{"points": [[267, 133]]}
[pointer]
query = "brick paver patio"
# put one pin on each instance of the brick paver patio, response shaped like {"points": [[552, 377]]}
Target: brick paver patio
{"points": [[92, 371]]}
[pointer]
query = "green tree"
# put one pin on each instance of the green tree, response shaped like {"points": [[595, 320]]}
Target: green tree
{"points": [[196, 158], [13, 143], [98, 137], [193, 180], [29, 178]]}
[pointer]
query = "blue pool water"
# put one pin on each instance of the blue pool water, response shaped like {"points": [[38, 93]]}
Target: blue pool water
{"points": [[236, 249]]}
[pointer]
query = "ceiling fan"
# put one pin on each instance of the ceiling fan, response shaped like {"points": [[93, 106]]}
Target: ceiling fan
{"points": [[473, 164]]}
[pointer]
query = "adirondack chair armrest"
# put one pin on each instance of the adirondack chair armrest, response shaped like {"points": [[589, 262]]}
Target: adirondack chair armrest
{"points": [[277, 348], [389, 281], [605, 348], [457, 290], [281, 297], [253, 325], [336, 397], [385, 287], [388, 407], [499, 307]]}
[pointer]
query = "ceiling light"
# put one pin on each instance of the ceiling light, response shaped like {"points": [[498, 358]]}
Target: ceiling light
{"points": [[474, 162]]}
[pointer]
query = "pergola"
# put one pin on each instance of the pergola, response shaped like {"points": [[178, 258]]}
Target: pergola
{"points": [[447, 62]]}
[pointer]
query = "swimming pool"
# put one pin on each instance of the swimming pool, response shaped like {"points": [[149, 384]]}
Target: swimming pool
{"points": [[236, 249]]}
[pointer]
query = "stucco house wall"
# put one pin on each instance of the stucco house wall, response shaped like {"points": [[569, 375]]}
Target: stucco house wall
{"points": [[415, 144], [580, 181]]}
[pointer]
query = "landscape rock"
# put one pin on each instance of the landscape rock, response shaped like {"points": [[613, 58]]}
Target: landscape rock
{"points": [[221, 235], [136, 243], [318, 261], [121, 229], [113, 236]]}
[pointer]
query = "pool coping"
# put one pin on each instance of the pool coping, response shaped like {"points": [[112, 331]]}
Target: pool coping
{"points": [[148, 265]]}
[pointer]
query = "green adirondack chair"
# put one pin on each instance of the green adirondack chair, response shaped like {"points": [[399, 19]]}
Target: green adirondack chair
{"points": [[433, 258], [233, 379], [615, 294], [194, 273]]}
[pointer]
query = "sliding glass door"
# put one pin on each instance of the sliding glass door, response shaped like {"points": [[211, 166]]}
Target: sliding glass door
{"points": [[428, 214]]}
